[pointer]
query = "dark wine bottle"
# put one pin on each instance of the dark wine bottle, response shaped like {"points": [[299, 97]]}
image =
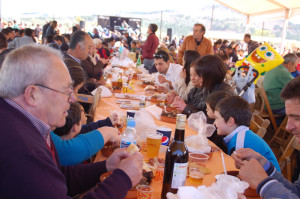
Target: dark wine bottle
{"points": [[176, 162]]}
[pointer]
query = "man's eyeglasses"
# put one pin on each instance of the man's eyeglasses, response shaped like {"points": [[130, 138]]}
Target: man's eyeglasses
{"points": [[67, 94]]}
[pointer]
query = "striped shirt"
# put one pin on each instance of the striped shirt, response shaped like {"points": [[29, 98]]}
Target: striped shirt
{"points": [[41, 126]]}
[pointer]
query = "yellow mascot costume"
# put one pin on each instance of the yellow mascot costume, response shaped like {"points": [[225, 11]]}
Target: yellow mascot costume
{"points": [[263, 59]]}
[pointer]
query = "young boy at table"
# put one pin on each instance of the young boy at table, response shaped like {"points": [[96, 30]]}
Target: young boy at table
{"points": [[211, 102], [91, 138], [72, 126], [232, 119]]}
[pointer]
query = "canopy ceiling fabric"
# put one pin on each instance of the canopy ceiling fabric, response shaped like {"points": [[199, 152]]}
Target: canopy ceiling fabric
{"points": [[262, 7]]}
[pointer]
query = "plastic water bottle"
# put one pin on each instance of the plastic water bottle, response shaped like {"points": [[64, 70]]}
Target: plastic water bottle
{"points": [[129, 136]]}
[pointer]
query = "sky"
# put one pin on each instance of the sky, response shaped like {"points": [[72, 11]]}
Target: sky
{"points": [[72, 8], [64, 8]]}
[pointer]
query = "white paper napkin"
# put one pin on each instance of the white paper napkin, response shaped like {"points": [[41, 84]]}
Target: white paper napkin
{"points": [[104, 93]]}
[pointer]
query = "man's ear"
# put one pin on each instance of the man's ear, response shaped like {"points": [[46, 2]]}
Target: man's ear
{"points": [[78, 47], [231, 121], [32, 95]]}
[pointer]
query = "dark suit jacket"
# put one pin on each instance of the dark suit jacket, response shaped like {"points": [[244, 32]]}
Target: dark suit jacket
{"points": [[69, 61], [93, 70], [88, 86]]}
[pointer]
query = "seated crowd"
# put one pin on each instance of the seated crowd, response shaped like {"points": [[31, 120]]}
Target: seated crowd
{"points": [[45, 131]]}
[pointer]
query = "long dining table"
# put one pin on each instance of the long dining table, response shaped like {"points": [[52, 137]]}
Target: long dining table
{"points": [[214, 164]]}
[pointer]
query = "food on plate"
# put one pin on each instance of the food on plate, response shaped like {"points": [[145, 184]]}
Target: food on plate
{"points": [[109, 148], [150, 87], [148, 82], [152, 161], [146, 179], [132, 148], [150, 90], [169, 114]]}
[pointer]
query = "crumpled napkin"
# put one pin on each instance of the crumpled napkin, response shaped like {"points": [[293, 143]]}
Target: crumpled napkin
{"points": [[226, 187], [155, 111], [104, 93]]}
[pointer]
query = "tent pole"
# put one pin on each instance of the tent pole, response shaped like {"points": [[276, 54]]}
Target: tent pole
{"points": [[161, 15], [285, 26], [212, 16], [248, 24]]}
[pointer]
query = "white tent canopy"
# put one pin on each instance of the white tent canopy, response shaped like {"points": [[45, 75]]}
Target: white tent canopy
{"points": [[289, 8], [262, 7]]}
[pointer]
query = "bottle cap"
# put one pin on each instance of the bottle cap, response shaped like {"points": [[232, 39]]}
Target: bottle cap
{"points": [[130, 123]]}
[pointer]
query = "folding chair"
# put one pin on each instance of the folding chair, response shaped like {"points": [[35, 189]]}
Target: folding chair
{"points": [[259, 125], [96, 101], [263, 100], [285, 158], [90, 99], [281, 136]]}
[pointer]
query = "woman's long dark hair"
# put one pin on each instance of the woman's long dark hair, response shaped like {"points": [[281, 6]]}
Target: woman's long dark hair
{"points": [[189, 57], [212, 69]]}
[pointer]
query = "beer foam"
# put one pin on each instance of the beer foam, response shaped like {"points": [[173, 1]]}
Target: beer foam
{"points": [[154, 136]]}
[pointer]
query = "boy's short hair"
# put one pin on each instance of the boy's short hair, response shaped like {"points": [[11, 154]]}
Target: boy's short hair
{"points": [[213, 99], [235, 107], [74, 117]]}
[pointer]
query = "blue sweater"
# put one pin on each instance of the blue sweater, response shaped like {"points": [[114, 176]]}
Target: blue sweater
{"points": [[78, 149], [256, 143], [83, 146]]}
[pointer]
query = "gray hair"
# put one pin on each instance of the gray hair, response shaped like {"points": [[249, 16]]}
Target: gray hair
{"points": [[97, 41], [290, 58], [26, 66], [78, 37]]}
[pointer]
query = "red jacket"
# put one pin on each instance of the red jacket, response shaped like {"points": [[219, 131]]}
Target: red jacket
{"points": [[149, 47]]}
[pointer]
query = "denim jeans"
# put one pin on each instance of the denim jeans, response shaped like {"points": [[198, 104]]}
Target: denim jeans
{"points": [[148, 63]]}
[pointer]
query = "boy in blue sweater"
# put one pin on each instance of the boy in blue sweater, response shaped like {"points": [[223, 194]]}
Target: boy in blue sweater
{"points": [[233, 116]]}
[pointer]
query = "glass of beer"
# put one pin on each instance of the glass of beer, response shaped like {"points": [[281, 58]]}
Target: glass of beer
{"points": [[197, 167], [153, 144]]}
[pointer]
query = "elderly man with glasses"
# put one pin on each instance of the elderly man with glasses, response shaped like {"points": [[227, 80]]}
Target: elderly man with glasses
{"points": [[35, 95]]}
